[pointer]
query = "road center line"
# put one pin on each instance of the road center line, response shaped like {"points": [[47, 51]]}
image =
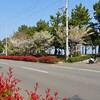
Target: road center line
{"points": [[71, 68], [35, 70]]}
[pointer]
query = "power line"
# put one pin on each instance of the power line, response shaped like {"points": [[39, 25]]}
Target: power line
{"points": [[27, 9], [38, 11], [50, 6]]}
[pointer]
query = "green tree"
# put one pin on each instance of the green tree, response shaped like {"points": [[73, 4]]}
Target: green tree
{"points": [[55, 23], [27, 30], [80, 16], [95, 38], [61, 38], [1, 47], [42, 41], [20, 42], [63, 19], [76, 37], [96, 8], [42, 26]]}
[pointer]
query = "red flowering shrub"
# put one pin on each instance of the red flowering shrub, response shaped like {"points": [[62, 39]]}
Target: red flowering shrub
{"points": [[30, 58], [10, 91], [44, 59], [35, 96], [48, 59], [8, 87], [21, 58]]}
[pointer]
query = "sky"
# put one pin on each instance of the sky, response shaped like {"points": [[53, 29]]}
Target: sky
{"points": [[15, 13]]}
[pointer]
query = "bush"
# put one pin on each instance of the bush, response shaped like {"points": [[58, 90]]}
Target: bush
{"points": [[48, 59], [98, 55], [78, 53], [8, 87], [78, 58], [10, 91], [44, 59]]}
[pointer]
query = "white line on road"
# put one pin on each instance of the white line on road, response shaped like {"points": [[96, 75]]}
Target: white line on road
{"points": [[88, 70], [71, 68], [4, 63], [35, 70]]}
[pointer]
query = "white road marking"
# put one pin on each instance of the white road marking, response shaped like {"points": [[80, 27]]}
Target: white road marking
{"points": [[35, 70], [4, 63], [71, 68], [88, 70]]}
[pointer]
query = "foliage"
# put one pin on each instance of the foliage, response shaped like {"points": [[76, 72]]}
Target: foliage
{"points": [[76, 37], [96, 8], [48, 59], [21, 42], [10, 91], [63, 19], [61, 37], [76, 34], [98, 55], [55, 20], [42, 26], [1, 47], [44, 59], [27, 30], [27, 40], [35, 96], [37, 44], [8, 87], [42, 41], [78, 58], [55, 23], [92, 38], [80, 16], [21, 58]]}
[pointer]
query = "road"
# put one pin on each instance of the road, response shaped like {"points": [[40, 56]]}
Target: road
{"points": [[74, 81]]}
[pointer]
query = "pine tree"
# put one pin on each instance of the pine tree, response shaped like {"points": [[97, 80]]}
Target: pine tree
{"points": [[96, 8], [80, 16]]}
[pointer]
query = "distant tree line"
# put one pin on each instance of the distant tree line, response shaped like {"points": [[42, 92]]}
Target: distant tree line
{"points": [[45, 36]]}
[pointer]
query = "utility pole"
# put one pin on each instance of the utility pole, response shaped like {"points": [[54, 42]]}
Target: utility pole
{"points": [[66, 31], [6, 45]]}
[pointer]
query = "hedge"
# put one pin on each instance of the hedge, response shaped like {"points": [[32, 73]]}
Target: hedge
{"points": [[44, 59], [78, 58]]}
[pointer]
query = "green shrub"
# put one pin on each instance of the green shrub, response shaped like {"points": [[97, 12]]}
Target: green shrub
{"points": [[98, 55], [78, 58], [78, 53]]}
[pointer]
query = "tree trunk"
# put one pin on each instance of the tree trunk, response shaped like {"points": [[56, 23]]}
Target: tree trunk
{"points": [[82, 50], [55, 51], [70, 48], [95, 50], [65, 52], [92, 50], [76, 50], [99, 49], [85, 49]]}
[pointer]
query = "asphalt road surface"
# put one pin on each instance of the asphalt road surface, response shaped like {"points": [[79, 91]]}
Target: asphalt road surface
{"points": [[74, 81]]}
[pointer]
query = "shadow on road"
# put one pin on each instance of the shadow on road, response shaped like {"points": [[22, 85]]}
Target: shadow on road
{"points": [[75, 97]]}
